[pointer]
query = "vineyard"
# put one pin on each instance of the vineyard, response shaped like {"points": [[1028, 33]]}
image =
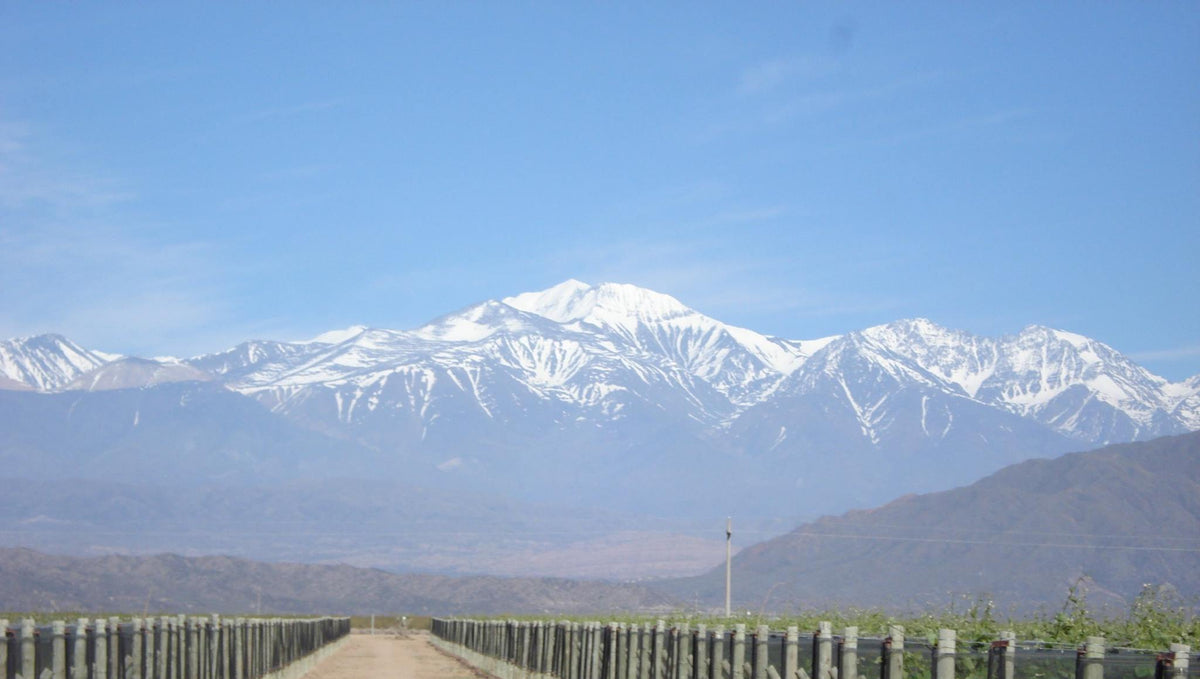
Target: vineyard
{"points": [[1154, 640]]}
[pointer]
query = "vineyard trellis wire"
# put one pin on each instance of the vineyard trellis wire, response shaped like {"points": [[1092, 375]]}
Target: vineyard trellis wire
{"points": [[590, 650]]}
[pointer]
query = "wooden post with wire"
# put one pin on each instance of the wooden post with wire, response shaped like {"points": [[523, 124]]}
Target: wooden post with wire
{"points": [[847, 656], [893, 653], [1089, 662]]}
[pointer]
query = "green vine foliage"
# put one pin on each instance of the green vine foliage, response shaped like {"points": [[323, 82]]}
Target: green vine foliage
{"points": [[1157, 618], [1074, 623]]}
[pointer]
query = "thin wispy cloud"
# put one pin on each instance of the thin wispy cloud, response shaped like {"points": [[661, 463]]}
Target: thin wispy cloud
{"points": [[12, 137], [77, 258], [1175, 353], [773, 74], [304, 108], [107, 284], [822, 101], [297, 172], [774, 94], [986, 122], [751, 215], [27, 180]]}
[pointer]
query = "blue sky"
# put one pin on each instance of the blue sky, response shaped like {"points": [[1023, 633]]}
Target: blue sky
{"points": [[176, 178]]}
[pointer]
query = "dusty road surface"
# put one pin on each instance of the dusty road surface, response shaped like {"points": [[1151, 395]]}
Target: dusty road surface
{"points": [[390, 656]]}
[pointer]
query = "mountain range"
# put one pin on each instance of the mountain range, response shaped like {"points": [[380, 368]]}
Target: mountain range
{"points": [[591, 395], [142, 585]]}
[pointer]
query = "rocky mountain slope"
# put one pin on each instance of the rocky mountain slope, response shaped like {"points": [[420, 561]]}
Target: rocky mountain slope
{"points": [[1118, 517]]}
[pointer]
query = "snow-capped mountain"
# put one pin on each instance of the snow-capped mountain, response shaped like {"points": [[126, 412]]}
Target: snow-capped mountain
{"points": [[47, 362], [583, 389], [865, 416], [741, 364], [489, 373], [1074, 385]]}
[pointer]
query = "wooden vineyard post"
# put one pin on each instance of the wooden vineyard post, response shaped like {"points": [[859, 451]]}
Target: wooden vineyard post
{"points": [[822, 665], [28, 650], [1002, 656], [791, 651], [848, 654], [58, 650], [945, 652], [893, 653], [737, 660], [762, 637], [1173, 664], [700, 654], [4, 645], [100, 649], [1089, 662], [717, 666]]}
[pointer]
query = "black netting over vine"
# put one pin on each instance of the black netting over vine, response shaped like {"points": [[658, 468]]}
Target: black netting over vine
{"points": [[870, 658], [972, 661], [804, 651], [775, 649], [44, 645], [1120, 664], [73, 641], [1036, 662], [12, 649]]}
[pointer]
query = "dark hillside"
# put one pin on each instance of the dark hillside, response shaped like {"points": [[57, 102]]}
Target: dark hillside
{"points": [[1121, 517], [32, 581]]}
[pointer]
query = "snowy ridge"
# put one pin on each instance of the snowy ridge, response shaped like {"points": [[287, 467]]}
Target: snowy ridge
{"points": [[483, 355], [957, 357], [601, 354], [47, 362], [336, 336], [1186, 396], [1073, 384]]}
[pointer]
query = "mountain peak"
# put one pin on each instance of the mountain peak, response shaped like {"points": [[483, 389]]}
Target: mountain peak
{"points": [[560, 303], [909, 334], [607, 303], [476, 322], [630, 300]]}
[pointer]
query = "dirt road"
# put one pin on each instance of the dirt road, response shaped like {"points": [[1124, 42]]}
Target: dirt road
{"points": [[389, 656]]}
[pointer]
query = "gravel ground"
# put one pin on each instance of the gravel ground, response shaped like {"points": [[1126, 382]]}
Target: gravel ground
{"points": [[391, 656]]}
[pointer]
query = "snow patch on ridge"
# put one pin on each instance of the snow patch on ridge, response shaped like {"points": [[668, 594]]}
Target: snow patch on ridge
{"points": [[337, 336]]}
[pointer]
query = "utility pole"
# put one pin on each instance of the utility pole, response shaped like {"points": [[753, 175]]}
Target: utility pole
{"points": [[728, 560]]}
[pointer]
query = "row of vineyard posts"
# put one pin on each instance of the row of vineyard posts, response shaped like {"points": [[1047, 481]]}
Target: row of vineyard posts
{"points": [[513, 649], [175, 647]]}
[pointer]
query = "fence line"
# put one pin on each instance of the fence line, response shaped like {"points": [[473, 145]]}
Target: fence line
{"points": [[174, 647], [513, 649]]}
